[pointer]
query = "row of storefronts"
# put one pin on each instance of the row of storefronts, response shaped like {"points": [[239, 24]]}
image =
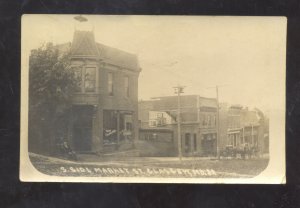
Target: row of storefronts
{"points": [[199, 127], [198, 122]]}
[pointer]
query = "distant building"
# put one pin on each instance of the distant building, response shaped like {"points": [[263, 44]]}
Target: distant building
{"points": [[105, 106], [159, 119], [239, 125], [198, 121]]}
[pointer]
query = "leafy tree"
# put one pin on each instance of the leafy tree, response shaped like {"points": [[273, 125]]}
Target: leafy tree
{"points": [[51, 84]]}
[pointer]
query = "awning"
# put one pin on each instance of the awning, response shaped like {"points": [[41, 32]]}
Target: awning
{"points": [[233, 132]]}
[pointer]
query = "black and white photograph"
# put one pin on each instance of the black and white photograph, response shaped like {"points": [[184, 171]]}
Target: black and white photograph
{"points": [[153, 99]]}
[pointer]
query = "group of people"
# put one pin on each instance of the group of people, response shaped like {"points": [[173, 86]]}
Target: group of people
{"points": [[65, 150], [243, 150]]}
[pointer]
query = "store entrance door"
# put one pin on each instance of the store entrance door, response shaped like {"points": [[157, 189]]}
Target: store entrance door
{"points": [[82, 128], [187, 143], [208, 144]]}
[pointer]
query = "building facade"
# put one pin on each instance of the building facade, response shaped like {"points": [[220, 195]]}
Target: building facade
{"points": [[199, 126], [105, 105], [198, 121], [239, 125]]}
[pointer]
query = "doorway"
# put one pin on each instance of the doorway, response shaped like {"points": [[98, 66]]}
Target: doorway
{"points": [[208, 144], [82, 128], [187, 143]]}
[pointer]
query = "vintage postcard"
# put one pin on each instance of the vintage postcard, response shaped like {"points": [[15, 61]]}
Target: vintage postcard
{"points": [[153, 99]]}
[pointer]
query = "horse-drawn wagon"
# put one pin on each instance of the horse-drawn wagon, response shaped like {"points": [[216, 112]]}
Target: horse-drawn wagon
{"points": [[243, 151]]}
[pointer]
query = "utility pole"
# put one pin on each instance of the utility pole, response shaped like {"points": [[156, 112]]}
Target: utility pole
{"points": [[218, 122], [178, 91], [218, 117]]}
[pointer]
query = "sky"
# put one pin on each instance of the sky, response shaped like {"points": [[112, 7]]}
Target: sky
{"points": [[245, 56]]}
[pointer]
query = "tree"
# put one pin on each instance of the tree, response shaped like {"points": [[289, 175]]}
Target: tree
{"points": [[51, 84]]}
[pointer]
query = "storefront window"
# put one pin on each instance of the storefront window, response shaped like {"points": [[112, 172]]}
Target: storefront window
{"points": [[128, 122]]}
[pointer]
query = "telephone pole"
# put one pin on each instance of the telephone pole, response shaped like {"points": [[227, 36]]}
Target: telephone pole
{"points": [[178, 91], [218, 121], [218, 118]]}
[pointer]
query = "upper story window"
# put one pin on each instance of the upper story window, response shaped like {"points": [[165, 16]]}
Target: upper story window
{"points": [[126, 87], [215, 120], [153, 123], [161, 121], [110, 84], [78, 77], [90, 79], [209, 120], [204, 120], [86, 79], [160, 115]]}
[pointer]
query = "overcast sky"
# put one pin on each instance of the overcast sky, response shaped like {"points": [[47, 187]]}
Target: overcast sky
{"points": [[245, 54]]}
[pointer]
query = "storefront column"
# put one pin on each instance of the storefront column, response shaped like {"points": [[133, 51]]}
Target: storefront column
{"points": [[95, 144], [243, 135], [252, 140], [135, 125], [118, 127], [218, 143], [199, 143], [192, 143], [100, 129]]}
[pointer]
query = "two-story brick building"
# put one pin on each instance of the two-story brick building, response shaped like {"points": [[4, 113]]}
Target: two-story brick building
{"points": [[239, 125], [105, 105], [198, 121]]}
